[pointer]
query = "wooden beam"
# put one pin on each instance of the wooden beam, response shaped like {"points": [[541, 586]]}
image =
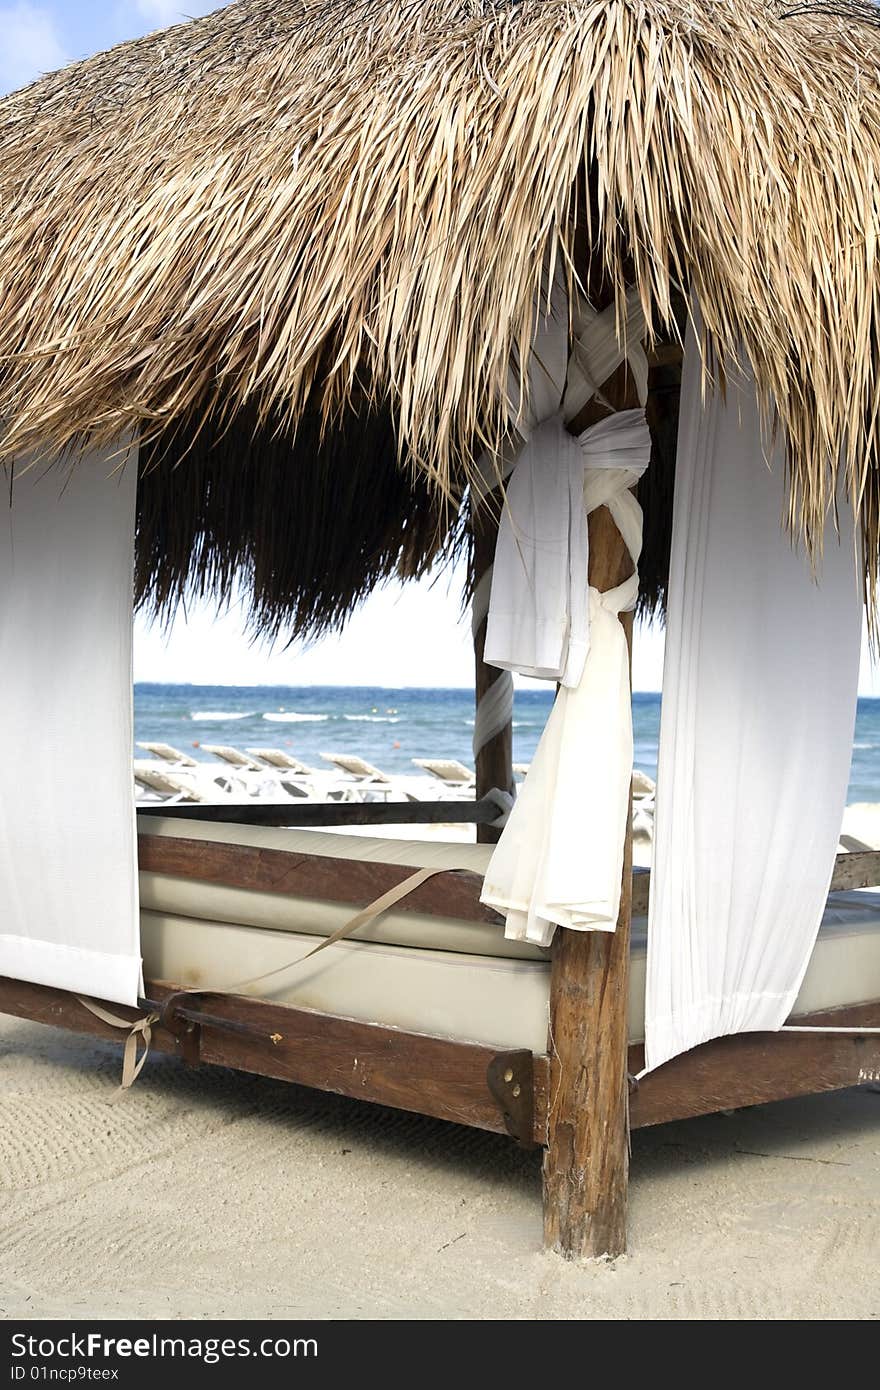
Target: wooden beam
{"points": [[409, 1071], [752, 1068], [316, 814], [447, 1079], [666, 355], [494, 761], [452, 893], [854, 869], [244, 866], [857, 869], [586, 1166]]}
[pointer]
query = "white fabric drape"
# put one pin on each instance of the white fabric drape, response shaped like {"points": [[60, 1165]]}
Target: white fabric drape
{"points": [[759, 698], [68, 874], [559, 860], [538, 620]]}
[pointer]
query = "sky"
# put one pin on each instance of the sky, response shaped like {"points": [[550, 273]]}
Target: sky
{"points": [[412, 635], [39, 35]]}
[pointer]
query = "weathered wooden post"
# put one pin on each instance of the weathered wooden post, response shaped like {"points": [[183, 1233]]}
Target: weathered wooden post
{"points": [[586, 1164], [493, 727]]}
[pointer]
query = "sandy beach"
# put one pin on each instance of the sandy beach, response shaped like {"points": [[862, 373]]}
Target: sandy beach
{"points": [[212, 1194]]}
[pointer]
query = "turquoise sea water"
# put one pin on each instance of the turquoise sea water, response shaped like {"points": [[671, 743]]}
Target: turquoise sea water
{"points": [[391, 727]]}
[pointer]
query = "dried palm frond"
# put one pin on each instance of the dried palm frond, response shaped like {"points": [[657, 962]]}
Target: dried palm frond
{"points": [[293, 526], [264, 212]]}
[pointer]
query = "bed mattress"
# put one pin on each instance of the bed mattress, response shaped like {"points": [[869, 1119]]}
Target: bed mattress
{"points": [[425, 974]]}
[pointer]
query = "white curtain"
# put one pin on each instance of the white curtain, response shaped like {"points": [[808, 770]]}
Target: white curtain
{"points": [[68, 874], [538, 621], [559, 860], [759, 698]]}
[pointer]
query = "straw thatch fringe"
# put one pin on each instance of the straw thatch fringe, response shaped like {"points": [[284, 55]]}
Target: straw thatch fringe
{"points": [[292, 198], [293, 528]]}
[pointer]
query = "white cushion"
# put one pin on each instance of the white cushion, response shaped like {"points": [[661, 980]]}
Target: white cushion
{"points": [[488, 994], [282, 912]]}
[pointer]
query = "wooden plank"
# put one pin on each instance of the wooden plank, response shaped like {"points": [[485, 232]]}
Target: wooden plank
{"points": [[445, 1078], [316, 814], [752, 1068], [408, 1071], [255, 870], [494, 762], [641, 881], [450, 893], [665, 355], [858, 869], [586, 1166], [57, 1007]]}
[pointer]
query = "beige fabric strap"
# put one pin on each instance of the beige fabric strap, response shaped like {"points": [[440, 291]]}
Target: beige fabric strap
{"points": [[360, 919], [132, 1065]]}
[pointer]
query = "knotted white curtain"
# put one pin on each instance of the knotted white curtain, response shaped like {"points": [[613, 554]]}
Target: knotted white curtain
{"points": [[559, 860], [68, 874], [759, 699], [538, 619]]}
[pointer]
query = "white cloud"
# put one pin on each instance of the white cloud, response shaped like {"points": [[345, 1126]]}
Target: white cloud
{"points": [[29, 44]]}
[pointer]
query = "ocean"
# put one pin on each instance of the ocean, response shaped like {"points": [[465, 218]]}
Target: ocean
{"points": [[391, 727]]}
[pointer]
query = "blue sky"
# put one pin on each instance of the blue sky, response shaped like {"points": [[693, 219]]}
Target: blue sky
{"points": [[401, 636], [39, 35]]}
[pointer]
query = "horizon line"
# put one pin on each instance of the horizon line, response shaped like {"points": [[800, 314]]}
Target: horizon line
{"points": [[336, 685]]}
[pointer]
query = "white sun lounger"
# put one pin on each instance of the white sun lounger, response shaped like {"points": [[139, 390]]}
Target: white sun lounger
{"points": [[233, 756], [356, 767], [448, 770], [166, 786], [169, 754], [277, 758], [264, 779], [642, 784], [849, 844]]}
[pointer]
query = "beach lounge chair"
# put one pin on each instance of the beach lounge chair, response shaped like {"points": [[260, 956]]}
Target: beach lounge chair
{"points": [[262, 780], [642, 784], [284, 762], [164, 784], [357, 767], [849, 843], [448, 770], [168, 754], [233, 756], [361, 780], [643, 792]]}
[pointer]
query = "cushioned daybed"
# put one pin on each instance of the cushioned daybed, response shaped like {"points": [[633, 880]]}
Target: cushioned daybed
{"points": [[463, 260], [439, 975]]}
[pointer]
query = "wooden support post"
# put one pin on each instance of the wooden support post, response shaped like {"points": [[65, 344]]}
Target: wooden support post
{"points": [[494, 762], [586, 1165]]}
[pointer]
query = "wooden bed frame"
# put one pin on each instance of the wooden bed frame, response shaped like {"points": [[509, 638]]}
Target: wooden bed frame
{"points": [[463, 1082], [576, 1100]]}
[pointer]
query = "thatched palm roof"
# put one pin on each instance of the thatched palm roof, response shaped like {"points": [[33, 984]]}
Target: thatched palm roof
{"points": [[301, 209]]}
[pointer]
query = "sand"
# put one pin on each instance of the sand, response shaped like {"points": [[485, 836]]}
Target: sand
{"points": [[212, 1194]]}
